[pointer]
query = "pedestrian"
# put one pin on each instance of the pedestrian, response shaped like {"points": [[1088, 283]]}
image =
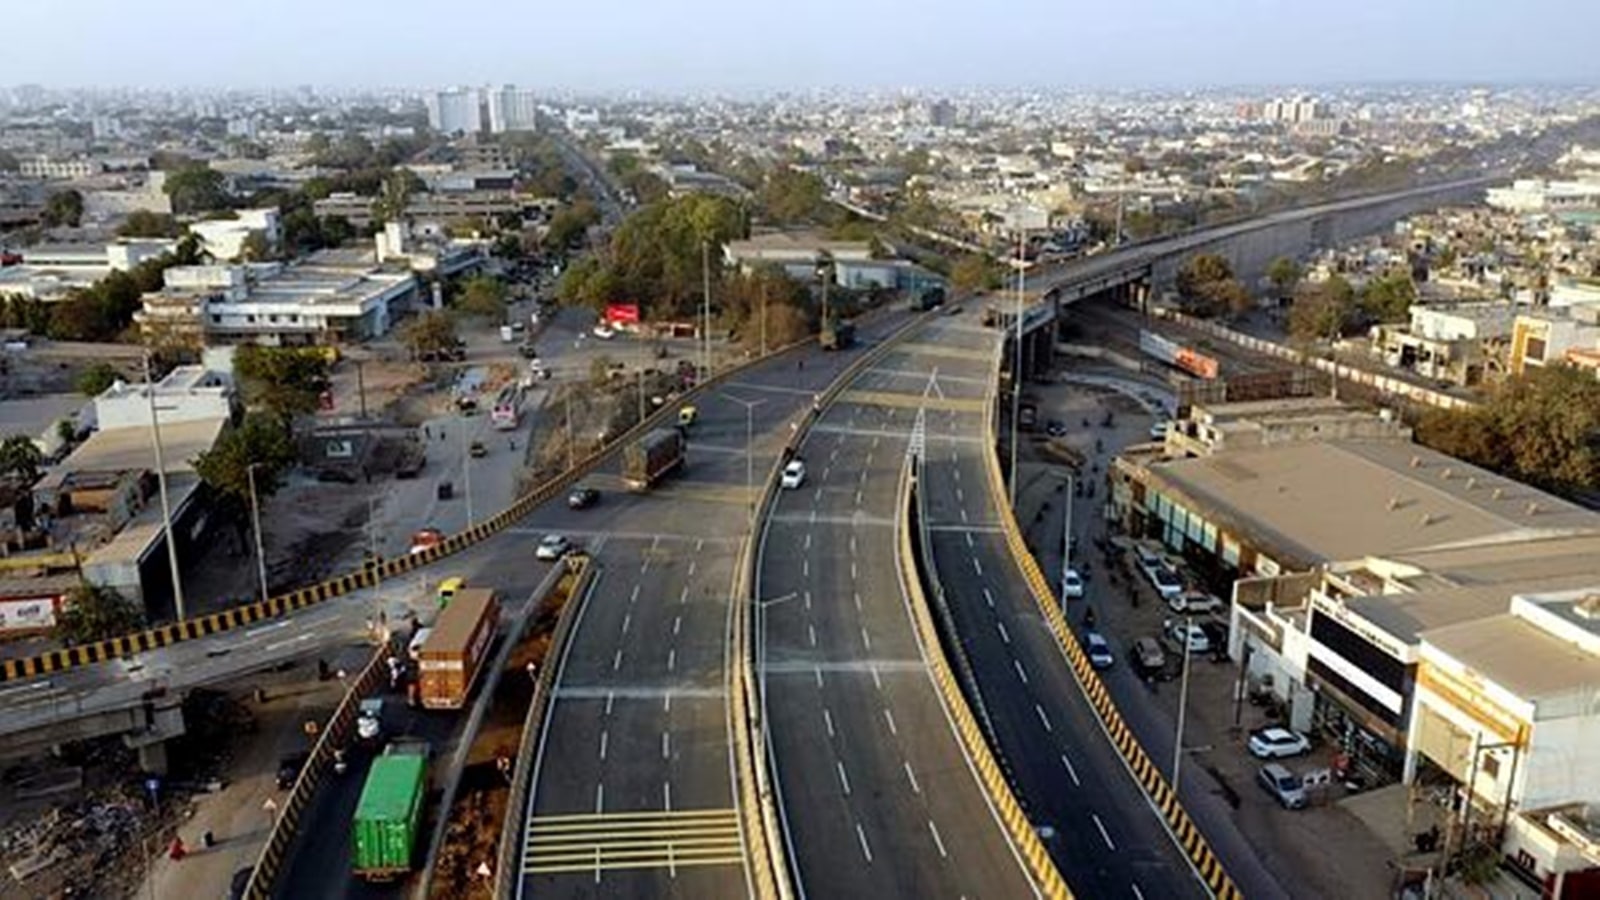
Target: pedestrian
{"points": [[176, 851], [427, 432], [271, 809], [208, 840], [533, 670]]}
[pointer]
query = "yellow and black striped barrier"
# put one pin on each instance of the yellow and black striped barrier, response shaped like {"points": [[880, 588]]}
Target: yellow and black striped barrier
{"points": [[1145, 772]]}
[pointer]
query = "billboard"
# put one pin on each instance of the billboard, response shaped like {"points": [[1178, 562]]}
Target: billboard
{"points": [[31, 614], [622, 313]]}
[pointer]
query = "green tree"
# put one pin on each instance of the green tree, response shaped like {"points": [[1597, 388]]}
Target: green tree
{"points": [[258, 441], [1388, 298], [20, 457], [1284, 274], [63, 208], [283, 381], [1322, 311], [9, 161], [196, 188], [255, 247], [142, 223], [398, 188], [569, 225], [792, 197], [97, 378], [1199, 272], [975, 272], [429, 333], [482, 295], [94, 613]]}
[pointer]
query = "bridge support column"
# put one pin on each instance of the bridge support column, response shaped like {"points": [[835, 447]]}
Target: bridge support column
{"points": [[161, 725], [153, 758]]}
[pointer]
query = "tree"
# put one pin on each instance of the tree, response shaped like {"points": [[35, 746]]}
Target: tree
{"points": [[95, 379], [9, 161], [94, 613], [258, 441], [1388, 298], [1322, 311], [792, 197], [482, 295], [1542, 427], [63, 208], [430, 333], [569, 225], [284, 381], [142, 223], [196, 188], [975, 272], [255, 247], [20, 456], [1199, 272], [1284, 274], [398, 187]]}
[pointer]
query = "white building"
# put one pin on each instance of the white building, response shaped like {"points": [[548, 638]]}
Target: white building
{"points": [[225, 238], [1530, 195], [50, 271], [58, 169], [455, 111], [187, 394], [511, 109]]}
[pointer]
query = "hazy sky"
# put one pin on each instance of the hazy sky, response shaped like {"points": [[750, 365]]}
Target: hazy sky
{"points": [[751, 44]]}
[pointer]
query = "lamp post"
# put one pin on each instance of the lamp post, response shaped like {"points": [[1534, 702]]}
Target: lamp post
{"points": [[161, 482], [749, 453], [466, 471], [1016, 366], [705, 309], [1183, 706], [255, 519]]}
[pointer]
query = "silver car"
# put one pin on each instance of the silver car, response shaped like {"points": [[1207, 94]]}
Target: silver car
{"points": [[1284, 786]]}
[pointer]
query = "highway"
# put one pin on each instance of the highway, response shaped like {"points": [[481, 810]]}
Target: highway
{"points": [[633, 792], [876, 795]]}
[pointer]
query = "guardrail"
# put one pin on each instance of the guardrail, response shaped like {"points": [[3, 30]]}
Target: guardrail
{"points": [[264, 875], [507, 871], [1144, 770], [367, 576], [757, 805], [1043, 869]]}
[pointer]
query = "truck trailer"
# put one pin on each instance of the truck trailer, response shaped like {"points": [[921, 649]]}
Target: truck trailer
{"points": [[389, 814], [653, 456], [455, 652], [837, 335]]}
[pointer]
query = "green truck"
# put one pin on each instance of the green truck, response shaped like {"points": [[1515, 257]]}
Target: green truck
{"points": [[389, 813], [645, 461]]}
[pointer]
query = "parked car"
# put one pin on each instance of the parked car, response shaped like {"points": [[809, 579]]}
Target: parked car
{"points": [[604, 332], [369, 724], [1099, 651], [528, 350], [1194, 602], [1166, 581], [1055, 428], [1148, 657], [794, 474], [1071, 585], [1284, 786], [1158, 431], [1147, 556], [552, 547], [1187, 633], [1278, 743], [289, 767], [582, 497]]}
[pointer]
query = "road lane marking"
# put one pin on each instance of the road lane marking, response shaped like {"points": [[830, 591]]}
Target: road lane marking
{"points": [[666, 702], [852, 544], [683, 596], [806, 595], [692, 564], [856, 595], [961, 496], [827, 718], [616, 662], [808, 540], [844, 780], [977, 566], [818, 670], [599, 798], [603, 736], [666, 745], [852, 570], [677, 624], [298, 639], [627, 620], [252, 632], [649, 839], [889, 717], [862, 836], [869, 463], [955, 474], [811, 632], [826, 470], [1138, 894], [1043, 718], [816, 496], [672, 659], [634, 597], [1020, 673], [866, 639], [1103, 833], [912, 777], [970, 542], [963, 514], [666, 796], [611, 697], [876, 681], [937, 841], [858, 497], [988, 598], [805, 567], [1005, 636], [1073, 773]]}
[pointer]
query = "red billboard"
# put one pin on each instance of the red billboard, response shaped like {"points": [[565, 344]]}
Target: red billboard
{"points": [[622, 313]]}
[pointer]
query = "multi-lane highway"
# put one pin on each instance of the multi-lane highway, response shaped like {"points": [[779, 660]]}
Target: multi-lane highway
{"points": [[634, 792], [876, 795]]}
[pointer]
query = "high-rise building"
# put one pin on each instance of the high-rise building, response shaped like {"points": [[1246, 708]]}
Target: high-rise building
{"points": [[511, 109], [455, 111]]}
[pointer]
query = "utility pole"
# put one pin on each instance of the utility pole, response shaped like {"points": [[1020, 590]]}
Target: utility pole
{"points": [[161, 482], [570, 445], [705, 310], [763, 318], [255, 515], [1016, 367], [466, 471], [749, 457], [1183, 704], [1116, 240], [361, 385]]}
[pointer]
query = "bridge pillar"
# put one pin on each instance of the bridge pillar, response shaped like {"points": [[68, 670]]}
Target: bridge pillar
{"points": [[161, 725], [153, 759]]}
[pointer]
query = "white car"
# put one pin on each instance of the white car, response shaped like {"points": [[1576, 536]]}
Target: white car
{"points": [[1099, 651], [1278, 743], [603, 331], [1194, 602], [1071, 585], [1192, 636], [553, 546], [1158, 431], [794, 475], [1166, 582]]}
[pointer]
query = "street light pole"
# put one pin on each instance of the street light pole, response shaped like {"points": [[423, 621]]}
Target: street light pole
{"points": [[255, 516], [1016, 366], [705, 309], [161, 483], [466, 471], [749, 454], [1183, 704]]}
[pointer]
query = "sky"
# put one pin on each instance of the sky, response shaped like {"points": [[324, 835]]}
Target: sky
{"points": [[757, 45]]}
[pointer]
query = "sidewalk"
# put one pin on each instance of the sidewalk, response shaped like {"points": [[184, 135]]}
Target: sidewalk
{"points": [[235, 815]]}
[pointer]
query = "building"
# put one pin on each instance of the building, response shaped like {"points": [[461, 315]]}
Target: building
{"points": [[455, 111], [1546, 336], [511, 109], [51, 271], [456, 207], [1293, 110], [58, 169], [1210, 429], [1534, 195], [682, 179], [330, 297], [852, 262], [1456, 342], [225, 239]]}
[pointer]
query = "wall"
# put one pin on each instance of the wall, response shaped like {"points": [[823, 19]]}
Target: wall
{"points": [[1561, 765]]}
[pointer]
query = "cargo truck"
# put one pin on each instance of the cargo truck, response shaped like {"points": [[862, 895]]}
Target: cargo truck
{"points": [[837, 335], [455, 652], [389, 814], [655, 454]]}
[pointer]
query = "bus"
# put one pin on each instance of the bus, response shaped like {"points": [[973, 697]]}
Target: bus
{"points": [[507, 410]]}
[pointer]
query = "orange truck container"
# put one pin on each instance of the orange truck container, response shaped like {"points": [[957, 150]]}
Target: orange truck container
{"points": [[455, 652]]}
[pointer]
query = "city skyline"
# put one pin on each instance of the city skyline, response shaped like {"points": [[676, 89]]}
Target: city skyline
{"points": [[714, 45]]}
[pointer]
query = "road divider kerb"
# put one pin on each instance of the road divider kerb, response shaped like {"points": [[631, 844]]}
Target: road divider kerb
{"points": [[1155, 785], [332, 735], [1046, 877]]}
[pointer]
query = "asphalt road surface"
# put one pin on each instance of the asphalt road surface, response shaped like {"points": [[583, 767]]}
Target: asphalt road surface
{"points": [[876, 794]]}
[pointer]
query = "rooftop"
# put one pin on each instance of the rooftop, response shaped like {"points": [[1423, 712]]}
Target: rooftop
{"points": [[1407, 616], [1521, 657], [1340, 500], [131, 449]]}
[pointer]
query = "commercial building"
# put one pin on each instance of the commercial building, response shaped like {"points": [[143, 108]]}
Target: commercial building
{"points": [[457, 207], [1535, 195], [457, 111], [1456, 342], [511, 109], [58, 169], [51, 271], [1545, 336], [852, 262]]}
